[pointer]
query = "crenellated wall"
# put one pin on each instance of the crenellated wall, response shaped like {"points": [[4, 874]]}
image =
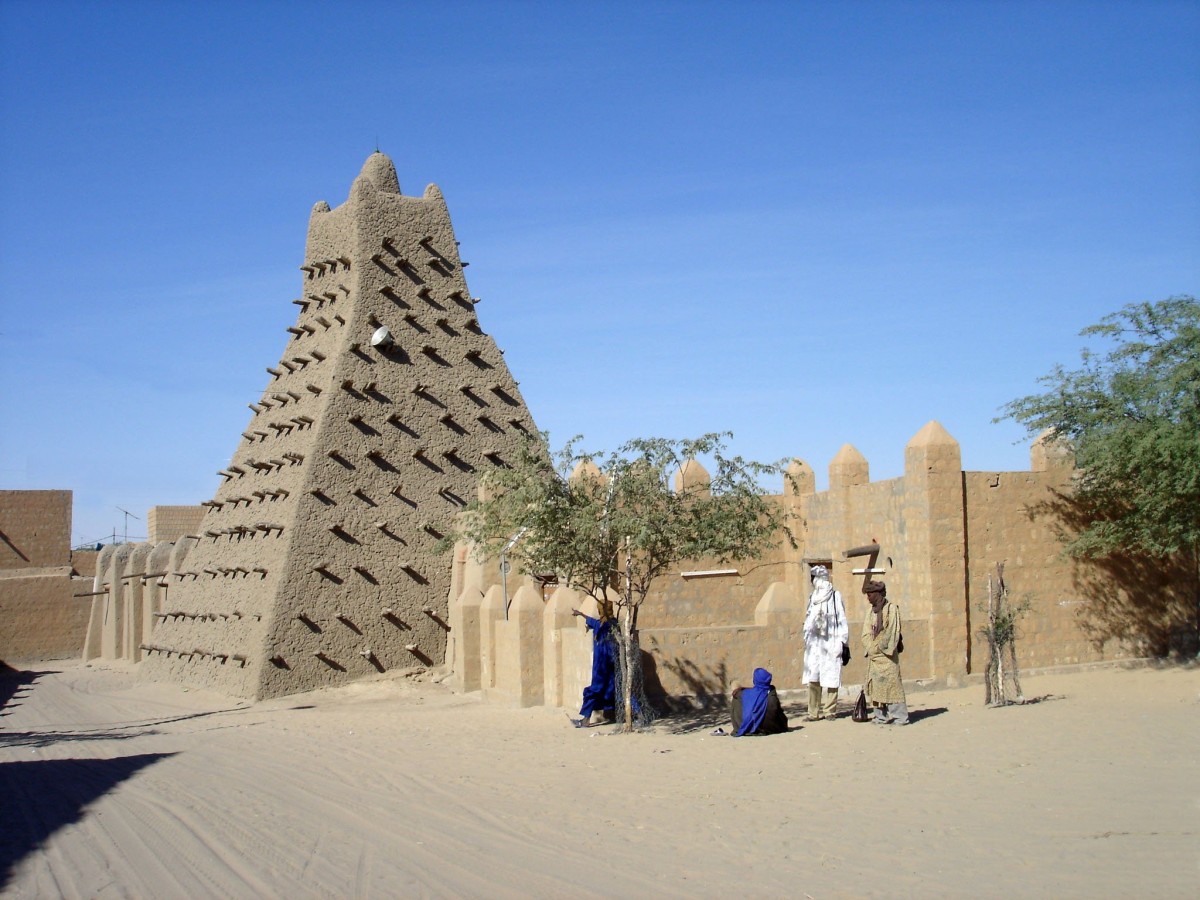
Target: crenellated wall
{"points": [[934, 536]]}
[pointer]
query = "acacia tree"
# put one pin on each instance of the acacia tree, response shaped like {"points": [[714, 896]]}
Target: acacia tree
{"points": [[1132, 416], [618, 524]]}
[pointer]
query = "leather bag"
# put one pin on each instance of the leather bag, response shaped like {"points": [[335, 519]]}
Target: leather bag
{"points": [[860, 707]]}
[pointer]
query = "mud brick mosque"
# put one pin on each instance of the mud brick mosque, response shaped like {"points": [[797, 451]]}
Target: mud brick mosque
{"points": [[316, 561]]}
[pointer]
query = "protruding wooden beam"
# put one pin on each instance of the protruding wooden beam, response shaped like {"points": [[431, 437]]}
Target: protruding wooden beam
{"points": [[864, 550]]}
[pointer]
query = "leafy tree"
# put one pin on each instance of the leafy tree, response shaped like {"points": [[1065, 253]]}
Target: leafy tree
{"points": [[1131, 413], [608, 524]]}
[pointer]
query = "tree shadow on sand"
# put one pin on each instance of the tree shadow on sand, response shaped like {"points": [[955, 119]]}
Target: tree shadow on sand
{"points": [[10, 740], [38, 797], [114, 731]]}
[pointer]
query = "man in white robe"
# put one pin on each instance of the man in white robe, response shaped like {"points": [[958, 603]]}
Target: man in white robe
{"points": [[825, 633]]}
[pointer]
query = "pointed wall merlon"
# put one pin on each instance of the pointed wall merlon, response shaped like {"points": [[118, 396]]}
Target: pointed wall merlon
{"points": [[380, 170], [557, 620], [693, 479], [933, 451], [134, 594], [848, 468], [1049, 453], [800, 479], [519, 649], [491, 612], [93, 645], [466, 629], [112, 642]]}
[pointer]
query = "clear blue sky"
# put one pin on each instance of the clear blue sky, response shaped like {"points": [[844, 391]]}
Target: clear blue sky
{"points": [[808, 223]]}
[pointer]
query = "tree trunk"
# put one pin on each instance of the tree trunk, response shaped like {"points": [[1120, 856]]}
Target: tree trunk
{"points": [[625, 660], [1196, 598]]}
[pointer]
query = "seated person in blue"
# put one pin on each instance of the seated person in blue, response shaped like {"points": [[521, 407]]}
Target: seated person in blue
{"points": [[756, 710]]}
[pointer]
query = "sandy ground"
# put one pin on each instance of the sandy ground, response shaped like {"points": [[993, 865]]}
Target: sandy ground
{"points": [[401, 788]]}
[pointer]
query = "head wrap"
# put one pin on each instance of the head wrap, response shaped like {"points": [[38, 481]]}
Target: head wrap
{"points": [[876, 592], [822, 607], [754, 703]]}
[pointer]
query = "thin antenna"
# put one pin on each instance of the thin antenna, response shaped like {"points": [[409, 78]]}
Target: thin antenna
{"points": [[127, 515], [376, 143]]}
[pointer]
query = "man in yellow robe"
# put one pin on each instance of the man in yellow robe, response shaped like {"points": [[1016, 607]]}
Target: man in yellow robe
{"points": [[881, 641]]}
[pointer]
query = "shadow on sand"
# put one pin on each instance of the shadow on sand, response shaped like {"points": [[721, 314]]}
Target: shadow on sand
{"points": [[682, 721], [15, 685], [41, 796]]}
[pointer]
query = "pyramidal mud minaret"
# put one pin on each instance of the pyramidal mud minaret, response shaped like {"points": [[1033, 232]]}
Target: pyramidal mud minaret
{"points": [[317, 559]]}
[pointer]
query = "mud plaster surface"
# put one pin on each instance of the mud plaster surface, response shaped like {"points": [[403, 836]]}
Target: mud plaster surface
{"points": [[318, 559]]}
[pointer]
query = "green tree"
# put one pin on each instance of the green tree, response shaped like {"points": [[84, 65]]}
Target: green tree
{"points": [[1131, 413], [618, 524]]}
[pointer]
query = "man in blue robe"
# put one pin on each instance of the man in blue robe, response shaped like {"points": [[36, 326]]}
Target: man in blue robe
{"points": [[601, 694]]}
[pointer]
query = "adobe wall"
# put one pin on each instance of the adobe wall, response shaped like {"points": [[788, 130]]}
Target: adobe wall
{"points": [[35, 529], [83, 562], [856, 515], [1080, 610], [1001, 528], [40, 618], [129, 595], [170, 523], [714, 591]]}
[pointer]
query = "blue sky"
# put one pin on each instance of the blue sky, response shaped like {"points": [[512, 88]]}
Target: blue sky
{"points": [[808, 223]]}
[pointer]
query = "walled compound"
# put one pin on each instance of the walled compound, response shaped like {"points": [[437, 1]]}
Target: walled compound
{"points": [[933, 535], [317, 559]]}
